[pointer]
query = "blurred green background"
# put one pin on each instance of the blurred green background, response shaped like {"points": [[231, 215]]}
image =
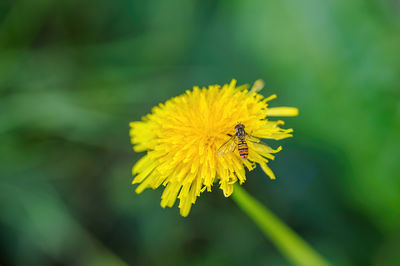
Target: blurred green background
{"points": [[73, 74]]}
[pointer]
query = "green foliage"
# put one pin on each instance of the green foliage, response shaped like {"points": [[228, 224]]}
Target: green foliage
{"points": [[288, 242], [73, 74]]}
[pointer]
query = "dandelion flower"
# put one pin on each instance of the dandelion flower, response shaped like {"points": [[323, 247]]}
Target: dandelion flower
{"points": [[181, 138]]}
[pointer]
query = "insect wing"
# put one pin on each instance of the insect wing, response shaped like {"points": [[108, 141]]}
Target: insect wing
{"points": [[259, 144], [227, 147], [253, 139]]}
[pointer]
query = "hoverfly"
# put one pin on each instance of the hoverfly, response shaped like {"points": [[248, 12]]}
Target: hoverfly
{"points": [[239, 139]]}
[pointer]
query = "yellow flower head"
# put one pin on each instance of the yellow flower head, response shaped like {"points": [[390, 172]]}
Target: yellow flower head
{"points": [[183, 136]]}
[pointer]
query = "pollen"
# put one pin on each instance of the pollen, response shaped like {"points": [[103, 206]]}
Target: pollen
{"points": [[182, 136]]}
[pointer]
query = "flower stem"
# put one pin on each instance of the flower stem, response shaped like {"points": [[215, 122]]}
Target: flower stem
{"points": [[292, 246]]}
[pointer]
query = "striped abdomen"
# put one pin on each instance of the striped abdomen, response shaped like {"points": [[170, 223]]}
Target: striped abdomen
{"points": [[243, 149]]}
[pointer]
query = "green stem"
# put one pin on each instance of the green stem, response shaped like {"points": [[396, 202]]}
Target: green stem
{"points": [[292, 246]]}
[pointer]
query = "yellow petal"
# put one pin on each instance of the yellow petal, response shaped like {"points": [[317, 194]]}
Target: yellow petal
{"points": [[267, 170], [181, 138], [282, 111]]}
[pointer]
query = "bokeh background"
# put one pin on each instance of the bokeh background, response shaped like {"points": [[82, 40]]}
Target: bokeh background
{"points": [[73, 74]]}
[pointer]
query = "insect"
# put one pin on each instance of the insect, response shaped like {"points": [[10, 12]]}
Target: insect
{"points": [[239, 139]]}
